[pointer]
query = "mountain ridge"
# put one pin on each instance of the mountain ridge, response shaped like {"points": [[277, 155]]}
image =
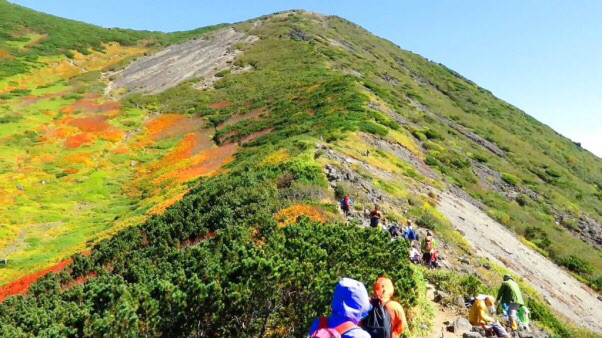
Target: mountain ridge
{"points": [[319, 107]]}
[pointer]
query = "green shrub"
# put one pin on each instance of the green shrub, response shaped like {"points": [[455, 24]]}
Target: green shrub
{"points": [[373, 128], [523, 200], [510, 179], [576, 264], [537, 236], [432, 134]]}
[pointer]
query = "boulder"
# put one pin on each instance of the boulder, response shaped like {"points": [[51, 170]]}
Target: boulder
{"points": [[440, 295], [472, 335], [459, 301], [461, 325], [479, 329]]}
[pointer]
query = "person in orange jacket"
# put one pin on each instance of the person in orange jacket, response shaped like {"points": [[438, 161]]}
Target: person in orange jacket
{"points": [[383, 290]]}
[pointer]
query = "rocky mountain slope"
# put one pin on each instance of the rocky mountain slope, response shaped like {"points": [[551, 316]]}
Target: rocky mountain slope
{"points": [[230, 147]]}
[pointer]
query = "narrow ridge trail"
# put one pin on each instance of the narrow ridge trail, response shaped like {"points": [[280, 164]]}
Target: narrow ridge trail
{"points": [[493, 241]]}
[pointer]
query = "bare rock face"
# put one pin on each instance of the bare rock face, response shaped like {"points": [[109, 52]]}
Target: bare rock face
{"points": [[180, 62]]}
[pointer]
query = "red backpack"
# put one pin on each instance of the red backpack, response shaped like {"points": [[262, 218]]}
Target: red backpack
{"points": [[324, 331]]}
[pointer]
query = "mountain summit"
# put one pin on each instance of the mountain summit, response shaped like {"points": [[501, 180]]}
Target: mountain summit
{"points": [[188, 184]]}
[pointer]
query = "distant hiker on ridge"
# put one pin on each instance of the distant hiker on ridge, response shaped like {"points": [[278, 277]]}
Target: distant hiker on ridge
{"points": [[428, 249], [375, 217], [350, 303], [510, 297], [395, 231], [409, 233], [346, 204], [415, 255]]}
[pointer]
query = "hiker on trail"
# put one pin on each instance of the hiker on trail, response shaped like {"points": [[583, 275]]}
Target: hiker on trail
{"points": [[478, 315], [395, 231], [428, 249], [510, 297], [346, 204], [350, 303], [375, 217], [387, 318], [409, 233], [415, 255]]}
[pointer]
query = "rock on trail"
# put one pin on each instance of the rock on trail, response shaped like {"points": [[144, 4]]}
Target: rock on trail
{"points": [[493, 241], [179, 62]]}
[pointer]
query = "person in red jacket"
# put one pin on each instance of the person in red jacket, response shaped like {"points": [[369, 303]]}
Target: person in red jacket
{"points": [[375, 217]]}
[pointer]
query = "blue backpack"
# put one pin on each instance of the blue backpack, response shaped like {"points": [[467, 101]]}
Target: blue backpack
{"points": [[411, 234]]}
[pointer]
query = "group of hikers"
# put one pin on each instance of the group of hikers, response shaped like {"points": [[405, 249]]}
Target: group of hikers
{"points": [[510, 305], [421, 250], [354, 314]]}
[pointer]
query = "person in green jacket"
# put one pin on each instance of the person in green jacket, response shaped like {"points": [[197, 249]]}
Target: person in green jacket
{"points": [[510, 296]]}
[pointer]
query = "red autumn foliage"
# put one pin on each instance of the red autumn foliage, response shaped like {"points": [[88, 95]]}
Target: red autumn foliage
{"points": [[91, 123], [79, 139], [21, 285]]}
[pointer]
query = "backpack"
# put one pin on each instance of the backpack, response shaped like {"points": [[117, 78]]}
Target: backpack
{"points": [[345, 203], [411, 234], [428, 244], [378, 321], [324, 331], [394, 230]]}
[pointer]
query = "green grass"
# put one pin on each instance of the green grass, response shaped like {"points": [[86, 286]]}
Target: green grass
{"points": [[309, 98]]}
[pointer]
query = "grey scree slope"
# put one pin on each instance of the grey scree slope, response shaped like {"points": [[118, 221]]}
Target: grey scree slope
{"points": [[179, 62]]}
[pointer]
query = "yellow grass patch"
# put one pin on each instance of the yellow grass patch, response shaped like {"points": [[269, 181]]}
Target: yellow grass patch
{"points": [[290, 214], [276, 157]]}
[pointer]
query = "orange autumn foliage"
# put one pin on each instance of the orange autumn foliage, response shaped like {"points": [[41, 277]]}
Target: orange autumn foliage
{"points": [[290, 214], [77, 140]]}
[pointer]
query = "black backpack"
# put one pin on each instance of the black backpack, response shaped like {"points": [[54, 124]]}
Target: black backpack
{"points": [[378, 321]]}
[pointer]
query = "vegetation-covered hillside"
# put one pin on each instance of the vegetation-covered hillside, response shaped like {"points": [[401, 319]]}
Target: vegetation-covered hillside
{"points": [[311, 109]]}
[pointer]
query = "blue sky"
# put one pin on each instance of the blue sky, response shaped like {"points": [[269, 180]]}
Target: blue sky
{"points": [[543, 56]]}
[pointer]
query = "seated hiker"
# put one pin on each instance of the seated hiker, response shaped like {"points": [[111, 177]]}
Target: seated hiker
{"points": [[509, 296], [375, 217], [428, 246], [478, 315], [350, 303], [395, 231], [387, 318], [346, 204], [415, 255]]}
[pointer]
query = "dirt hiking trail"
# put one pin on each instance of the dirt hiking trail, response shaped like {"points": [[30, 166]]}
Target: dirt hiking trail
{"points": [[493, 241]]}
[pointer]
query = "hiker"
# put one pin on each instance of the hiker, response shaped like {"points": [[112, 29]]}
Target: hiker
{"points": [[428, 247], [415, 255], [346, 204], [387, 318], [409, 233], [395, 231], [350, 303], [510, 297], [375, 216], [478, 315]]}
